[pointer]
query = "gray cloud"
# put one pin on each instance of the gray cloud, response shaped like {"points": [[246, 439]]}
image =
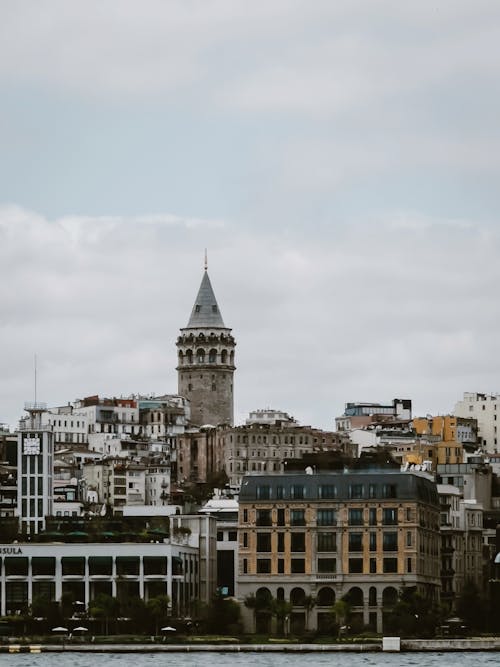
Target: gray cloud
{"points": [[391, 310]]}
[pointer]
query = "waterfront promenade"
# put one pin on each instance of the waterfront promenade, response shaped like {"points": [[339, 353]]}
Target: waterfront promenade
{"points": [[407, 645]]}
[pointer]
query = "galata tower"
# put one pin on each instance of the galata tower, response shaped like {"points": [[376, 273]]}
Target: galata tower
{"points": [[206, 361]]}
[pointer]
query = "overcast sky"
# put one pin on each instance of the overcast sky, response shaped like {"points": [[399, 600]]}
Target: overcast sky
{"points": [[339, 160]]}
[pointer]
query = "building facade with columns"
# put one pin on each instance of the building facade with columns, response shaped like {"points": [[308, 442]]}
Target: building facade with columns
{"points": [[183, 566]]}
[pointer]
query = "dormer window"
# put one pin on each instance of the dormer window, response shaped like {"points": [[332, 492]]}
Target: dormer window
{"points": [[214, 309], [197, 308]]}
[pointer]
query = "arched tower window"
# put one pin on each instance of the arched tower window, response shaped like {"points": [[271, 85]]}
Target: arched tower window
{"points": [[212, 356], [223, 357], [200, 356], [231, 358], [181, 358], [189, 356]]}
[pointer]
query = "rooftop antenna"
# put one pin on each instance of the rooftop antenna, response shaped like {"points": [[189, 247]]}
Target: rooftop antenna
{"points": [[206, 260], [35, 376]]}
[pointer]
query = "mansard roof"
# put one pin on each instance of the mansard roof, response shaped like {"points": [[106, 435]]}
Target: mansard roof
{"points": [[205, 313]]}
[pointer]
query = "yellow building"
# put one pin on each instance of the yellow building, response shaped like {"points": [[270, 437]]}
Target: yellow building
{"points": [[437, 441]]}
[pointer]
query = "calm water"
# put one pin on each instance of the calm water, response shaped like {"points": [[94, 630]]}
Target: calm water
{"points": [[250, 660]]}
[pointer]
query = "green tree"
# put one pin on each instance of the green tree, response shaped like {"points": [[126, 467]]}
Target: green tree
{"points": [[471, 606], [159, 607], [414, 614], [66, 604], [223, 615], [105, 607]]}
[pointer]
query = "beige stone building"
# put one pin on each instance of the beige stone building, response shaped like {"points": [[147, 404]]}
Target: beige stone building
{"points": [[313, 539]]}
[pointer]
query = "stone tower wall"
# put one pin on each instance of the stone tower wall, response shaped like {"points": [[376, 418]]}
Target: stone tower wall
{"points": [[207, 379]]}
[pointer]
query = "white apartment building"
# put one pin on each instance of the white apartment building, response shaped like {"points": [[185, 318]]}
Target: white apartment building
{"points": [[115, 482], [486, 409]]}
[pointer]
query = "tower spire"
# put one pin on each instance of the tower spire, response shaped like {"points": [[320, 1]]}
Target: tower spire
{"points": [[206, 260]]}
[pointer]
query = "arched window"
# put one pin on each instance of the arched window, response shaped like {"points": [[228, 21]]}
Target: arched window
{"points": [[263, 598], [355, 597], [280, 594], [372, 596], [389, 596], [212, 356], [325, 597], [231, 358], [223, 357], [181, 358], [297, 596], [189, 356], [200, 356]]}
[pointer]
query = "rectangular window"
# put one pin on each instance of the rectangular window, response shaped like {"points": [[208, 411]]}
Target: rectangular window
{"points": [[280, 492], [281, 517], [389, 491], [298, 542], [373, 566], [373, 541], [372, 491], [408, 539], [281, 542], [245, 566], [220, 536], [232, 535], [327, 542], [264, 542], [373, 516], [245, 540], [245, 516], [408, 565], [355, 541], [326, 517], [281, 565], [390, 565], [390, 541], [298, 565], [390, 516], [356, 516], [297, 518], [263, 566], [298, 491], [327, 491], [263, 518], [355, 491], [263, 492], [355, 565], [327, 565]]}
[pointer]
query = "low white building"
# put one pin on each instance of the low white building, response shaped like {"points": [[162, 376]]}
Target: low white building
{"points": [[85, 570]]}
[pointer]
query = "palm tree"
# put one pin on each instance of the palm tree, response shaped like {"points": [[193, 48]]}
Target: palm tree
{"points": [[340, 611], [281, 609], [308, 603], [250, 602]]}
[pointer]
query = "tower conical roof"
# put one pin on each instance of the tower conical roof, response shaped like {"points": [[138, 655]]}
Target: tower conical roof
{"points": [[205, 313]]}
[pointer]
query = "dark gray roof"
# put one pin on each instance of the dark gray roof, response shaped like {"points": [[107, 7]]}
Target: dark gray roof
{"points": [[344, 487], [205, 313]]}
